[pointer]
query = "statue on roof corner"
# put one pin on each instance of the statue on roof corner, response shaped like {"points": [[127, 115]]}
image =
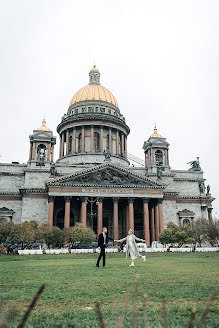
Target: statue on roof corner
{"points": [[107, 155], [195, 165], [159, 173], [52, 170]]}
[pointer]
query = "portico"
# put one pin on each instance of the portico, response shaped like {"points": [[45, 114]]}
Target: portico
{"points": [[122, 201]]}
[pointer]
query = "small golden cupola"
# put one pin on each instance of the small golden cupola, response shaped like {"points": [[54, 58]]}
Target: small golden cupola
{"points": [[43, 126], [155, 134], [156, 150]]}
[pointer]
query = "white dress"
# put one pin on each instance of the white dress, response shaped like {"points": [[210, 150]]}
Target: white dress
{"points": [[131, 247]]}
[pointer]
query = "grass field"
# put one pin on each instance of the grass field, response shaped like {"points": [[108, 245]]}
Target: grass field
{"points": [[73, 283]]}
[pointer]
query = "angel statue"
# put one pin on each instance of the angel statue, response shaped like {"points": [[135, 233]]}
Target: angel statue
{"points": [[195, 165], [107, 155]]}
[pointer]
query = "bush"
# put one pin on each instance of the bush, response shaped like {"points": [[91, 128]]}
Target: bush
{"points": [[177, 235], [54, 237], [80, 234]]}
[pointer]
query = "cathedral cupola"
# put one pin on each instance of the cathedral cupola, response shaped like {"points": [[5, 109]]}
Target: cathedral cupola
{"points": [[42, 144], [93, 129], [156, 150], [94, 76]]}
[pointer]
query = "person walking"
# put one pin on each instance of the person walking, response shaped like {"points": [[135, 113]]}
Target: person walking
{"points": [[131, 247], [102, 243]]}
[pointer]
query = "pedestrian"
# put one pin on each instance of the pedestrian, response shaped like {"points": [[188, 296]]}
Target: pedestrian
{"points": [[102, 243], [131, 247]]}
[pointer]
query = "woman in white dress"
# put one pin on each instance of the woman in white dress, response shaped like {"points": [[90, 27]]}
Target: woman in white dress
{"points": [[131, 248]]}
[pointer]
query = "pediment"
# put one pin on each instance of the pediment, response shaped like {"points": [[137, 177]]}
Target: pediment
{"points": [[42, 134], [106, 175]]}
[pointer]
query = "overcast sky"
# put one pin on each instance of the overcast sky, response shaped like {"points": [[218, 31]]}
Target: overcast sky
{"points": [[159, 58]]}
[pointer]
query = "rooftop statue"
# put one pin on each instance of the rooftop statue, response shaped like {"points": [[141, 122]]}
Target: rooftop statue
{"points": [[195, 165], [202, 187], [52, 170], [159, 173], [107, 155]]}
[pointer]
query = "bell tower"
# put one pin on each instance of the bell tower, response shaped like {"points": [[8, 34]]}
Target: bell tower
{"points": [[42, 144], [156, 150]]}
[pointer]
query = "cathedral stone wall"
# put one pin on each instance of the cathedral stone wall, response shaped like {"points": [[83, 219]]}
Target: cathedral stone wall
{"points": [[11, 182], [170, 212], [187, 188], [35, 208], [36, 179]]}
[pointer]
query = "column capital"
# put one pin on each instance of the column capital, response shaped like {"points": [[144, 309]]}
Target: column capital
{"points": [[68, 198], [115, 199], [131, 199], [160, 200], [51, 199], [99, 200], [84, 200], [146, 200]]}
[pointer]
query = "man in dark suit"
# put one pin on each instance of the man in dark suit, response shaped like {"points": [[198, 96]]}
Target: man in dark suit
{"points": [[102, 243]]}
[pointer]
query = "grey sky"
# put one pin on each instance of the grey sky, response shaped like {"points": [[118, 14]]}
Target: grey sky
{"points": [[159, 58]]}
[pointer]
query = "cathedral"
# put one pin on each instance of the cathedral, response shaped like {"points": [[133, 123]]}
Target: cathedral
{"points": [[93, 181]]}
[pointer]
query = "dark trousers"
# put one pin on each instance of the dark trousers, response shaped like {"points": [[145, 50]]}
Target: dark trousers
{"points": [[102, 254]]}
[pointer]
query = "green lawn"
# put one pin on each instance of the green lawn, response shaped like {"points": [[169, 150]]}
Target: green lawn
{"points": [[73, 283]]}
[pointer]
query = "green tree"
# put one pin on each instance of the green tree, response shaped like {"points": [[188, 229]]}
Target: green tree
{"points": [[54, 236], [213, 232], [5, 231], [22, 233], [200, 231], [177, 235], [80, 233]]}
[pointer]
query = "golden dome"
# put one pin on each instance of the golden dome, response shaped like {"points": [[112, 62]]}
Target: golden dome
{"points": [[94, 90], [44, 127], [155, 134]]}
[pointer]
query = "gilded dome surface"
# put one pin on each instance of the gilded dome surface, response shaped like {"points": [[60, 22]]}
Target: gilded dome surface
{"points": [[94, 90], [43, 126]]}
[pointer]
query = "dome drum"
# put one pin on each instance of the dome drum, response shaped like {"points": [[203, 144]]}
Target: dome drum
{"points": [[93, 106], [88, 118]]}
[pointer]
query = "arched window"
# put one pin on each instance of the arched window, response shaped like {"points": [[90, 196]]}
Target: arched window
{"points": [[186, 221], [70, 144], [96, 142], [107, 142], [159, 157], [79, 143], [41, 153]]}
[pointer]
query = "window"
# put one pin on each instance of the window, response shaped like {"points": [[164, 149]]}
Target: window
{"points": [[186, 221], [102, 109], [96, 142], [159, 157], [79, 143], [83, 109], [76, 110], [96, 109], [109, 111], [90, 109], [41, 153], [70, 145]]}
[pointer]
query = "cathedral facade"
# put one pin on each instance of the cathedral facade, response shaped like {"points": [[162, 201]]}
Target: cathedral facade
{"points": [[92, 181]]}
